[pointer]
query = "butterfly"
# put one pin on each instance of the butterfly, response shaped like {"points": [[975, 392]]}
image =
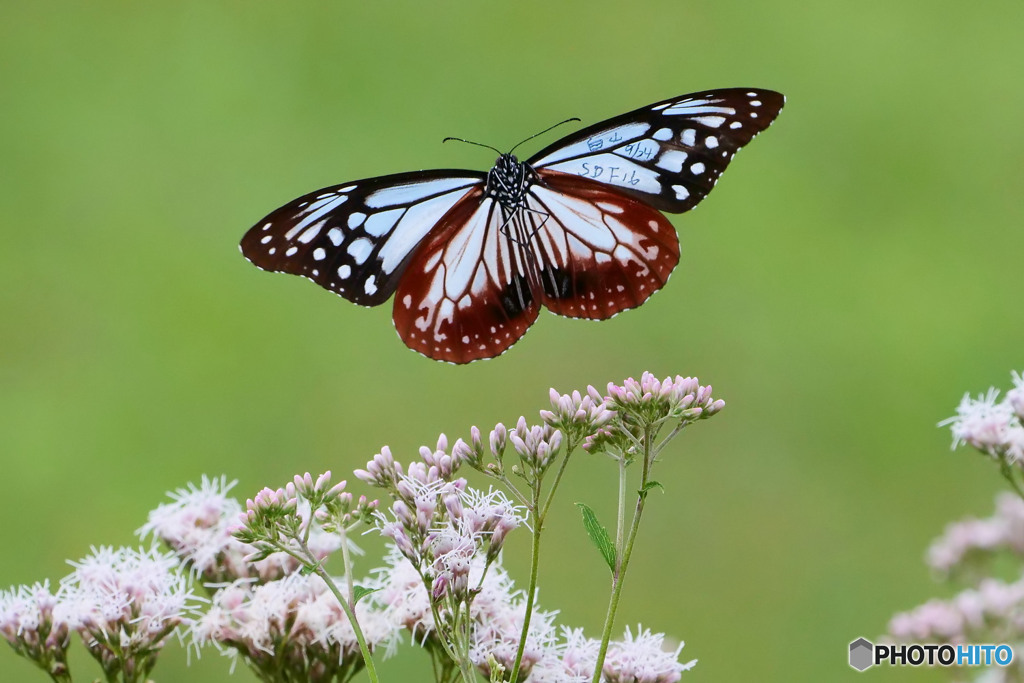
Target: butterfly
{"points": [[471, 257]]}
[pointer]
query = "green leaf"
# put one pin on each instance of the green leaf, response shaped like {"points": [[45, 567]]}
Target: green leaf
{"points": [[649, 486], [598, 534], [360, 592]]}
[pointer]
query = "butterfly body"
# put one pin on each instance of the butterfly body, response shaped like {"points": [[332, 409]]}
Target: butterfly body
{"points": [[470, 258], [509, 181]]}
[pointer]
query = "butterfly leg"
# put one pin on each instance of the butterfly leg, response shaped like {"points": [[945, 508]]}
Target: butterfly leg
{"points": [[503, 228], [545, 220], [526, 240]]}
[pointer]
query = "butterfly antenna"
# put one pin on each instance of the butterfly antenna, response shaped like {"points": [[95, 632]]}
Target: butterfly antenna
{"points": [[470, 142], [544, 131]]}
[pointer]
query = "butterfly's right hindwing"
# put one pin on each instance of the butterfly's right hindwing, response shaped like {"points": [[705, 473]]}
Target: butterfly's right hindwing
{"points": [[356, 239]]}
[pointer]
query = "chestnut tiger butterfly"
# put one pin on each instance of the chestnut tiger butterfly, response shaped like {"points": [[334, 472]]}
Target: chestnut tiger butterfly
{"points": [[470, 257]]}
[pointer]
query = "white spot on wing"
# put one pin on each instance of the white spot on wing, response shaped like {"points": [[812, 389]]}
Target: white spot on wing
{"points": [[319, 254], [697, 168], [311, 232], [662, 134], [344, 272], [334, 234], [355, 219], [688, 137], [710, 121], [681, 192], [380, 223], [360, 249], [672, 160]]}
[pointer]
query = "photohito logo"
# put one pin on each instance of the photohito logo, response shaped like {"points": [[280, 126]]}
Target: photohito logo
{"points": [[865, 654]]}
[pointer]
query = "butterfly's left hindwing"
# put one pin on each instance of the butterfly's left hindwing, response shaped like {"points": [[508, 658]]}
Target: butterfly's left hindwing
{"points": [[471, 289], [356, 239], [669, 154]]}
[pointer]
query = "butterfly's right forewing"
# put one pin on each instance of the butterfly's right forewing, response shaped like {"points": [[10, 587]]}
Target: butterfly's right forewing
{"points": [[356, 239]]}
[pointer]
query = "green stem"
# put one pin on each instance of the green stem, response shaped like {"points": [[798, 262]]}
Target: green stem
{"points": [[671, 435], [1007, 471], [569, 448], [434, 664], [503, 478], [318, 568], [531, 592], [442, 638], [465, 628], [623, 563], [346, 560], [540, 513], [620, 523], [350, 612]]}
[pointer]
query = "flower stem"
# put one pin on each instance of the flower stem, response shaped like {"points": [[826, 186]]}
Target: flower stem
{"points": [[569, 448], [346, 559], [531, 591], [620, 523], [1007, 471], [539, 513], [624, 554], [443, 639], [349, 607]]}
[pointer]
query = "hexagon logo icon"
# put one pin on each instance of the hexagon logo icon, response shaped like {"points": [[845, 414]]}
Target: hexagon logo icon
{"points": [[861, 654]]}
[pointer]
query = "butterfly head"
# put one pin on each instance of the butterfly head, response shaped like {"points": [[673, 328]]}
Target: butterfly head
{"points": [[508, 181]]}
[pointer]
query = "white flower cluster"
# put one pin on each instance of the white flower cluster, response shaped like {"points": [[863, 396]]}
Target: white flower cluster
{"points": [[977, 551], [551, 655], [198, 524], [992, 426], [970, 542], [296, 620], [124, 603]]}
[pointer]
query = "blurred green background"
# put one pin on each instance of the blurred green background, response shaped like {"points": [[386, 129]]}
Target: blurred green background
{"points": [[856, 271]]}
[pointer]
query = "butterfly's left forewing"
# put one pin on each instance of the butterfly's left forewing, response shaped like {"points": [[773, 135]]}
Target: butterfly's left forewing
{"points": [[356, 239], [669, 154]]}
